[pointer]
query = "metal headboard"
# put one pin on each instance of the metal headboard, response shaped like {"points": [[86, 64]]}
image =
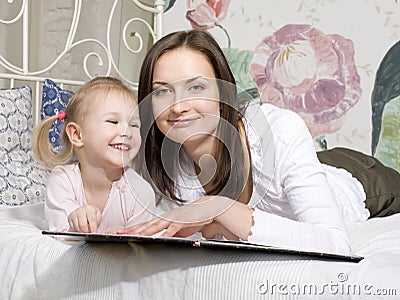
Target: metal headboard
{"points": [[11, 73]]}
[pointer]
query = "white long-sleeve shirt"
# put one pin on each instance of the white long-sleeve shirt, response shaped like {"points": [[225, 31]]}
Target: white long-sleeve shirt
{"points": [[299, 203]]}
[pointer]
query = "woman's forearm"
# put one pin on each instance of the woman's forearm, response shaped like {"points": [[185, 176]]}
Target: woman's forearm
{"points": [[236, 217]]}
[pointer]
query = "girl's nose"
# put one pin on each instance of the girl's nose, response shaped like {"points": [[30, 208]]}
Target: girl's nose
{"points": [[126, 131]]}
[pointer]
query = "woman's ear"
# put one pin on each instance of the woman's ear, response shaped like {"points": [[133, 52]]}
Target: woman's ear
{"points": [[74, 133]]}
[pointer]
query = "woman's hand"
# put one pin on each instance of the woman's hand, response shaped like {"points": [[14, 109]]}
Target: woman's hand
{"points": [[210, 215], [113, 229], [182, 221], [84, 219], [214, 229]]}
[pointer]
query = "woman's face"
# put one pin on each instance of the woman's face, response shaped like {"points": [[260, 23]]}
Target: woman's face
{"points": [[185, 98]]}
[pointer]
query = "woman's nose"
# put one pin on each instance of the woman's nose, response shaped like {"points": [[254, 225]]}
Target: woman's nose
{"points": [[180, 106]]}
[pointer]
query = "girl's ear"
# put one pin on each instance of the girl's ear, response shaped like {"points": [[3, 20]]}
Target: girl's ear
{"points": [[74, 133]]}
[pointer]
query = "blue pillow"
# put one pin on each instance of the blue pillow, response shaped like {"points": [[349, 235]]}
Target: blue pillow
{"points": [[22, 181], [54, 99]]}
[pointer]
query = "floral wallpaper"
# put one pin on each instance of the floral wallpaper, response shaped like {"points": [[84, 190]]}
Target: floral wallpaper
{"points": [[300, 68], [334, 62]]}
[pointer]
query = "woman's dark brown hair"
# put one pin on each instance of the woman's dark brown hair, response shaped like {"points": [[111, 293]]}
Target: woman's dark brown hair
{"points": [[161, 171]]}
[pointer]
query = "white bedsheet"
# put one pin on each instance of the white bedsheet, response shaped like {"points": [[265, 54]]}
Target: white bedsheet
{"points": [[34, 266]]}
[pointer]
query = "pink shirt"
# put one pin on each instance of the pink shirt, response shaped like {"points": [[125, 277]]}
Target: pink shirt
{"points": [[131, 199]]}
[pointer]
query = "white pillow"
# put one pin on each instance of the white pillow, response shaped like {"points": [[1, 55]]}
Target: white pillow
{"points": [[22, 179]]}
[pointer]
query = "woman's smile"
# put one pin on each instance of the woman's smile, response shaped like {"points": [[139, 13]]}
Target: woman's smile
{"points": [[183, 122]]}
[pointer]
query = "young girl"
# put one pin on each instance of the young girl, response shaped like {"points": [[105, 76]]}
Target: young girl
{"points": [[97, 192], [248, 172]]}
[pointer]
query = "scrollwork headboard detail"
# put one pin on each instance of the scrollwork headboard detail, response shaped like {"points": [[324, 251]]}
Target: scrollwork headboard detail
{"points": [[107, 53]]}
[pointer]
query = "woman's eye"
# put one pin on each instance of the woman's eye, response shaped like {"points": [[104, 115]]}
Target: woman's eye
{"points": [[196, 88], [162, 91]]}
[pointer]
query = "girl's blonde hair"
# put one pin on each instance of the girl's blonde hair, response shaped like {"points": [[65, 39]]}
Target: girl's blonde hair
{"points": [[76, 110]]}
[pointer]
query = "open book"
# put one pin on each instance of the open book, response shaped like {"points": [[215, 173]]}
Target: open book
{"points": [[200, 243]]}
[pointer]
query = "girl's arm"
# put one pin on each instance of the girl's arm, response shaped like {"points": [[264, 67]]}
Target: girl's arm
{"points": [[65, 209], [60, 199]]}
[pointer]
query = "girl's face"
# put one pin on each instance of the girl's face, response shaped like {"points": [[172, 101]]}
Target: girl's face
{"points": [[111, 131], [185, 100]]}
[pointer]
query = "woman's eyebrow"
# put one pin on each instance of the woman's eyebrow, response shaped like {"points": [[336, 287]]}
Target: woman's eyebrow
{"points": [[189, 80], [159, 83]]}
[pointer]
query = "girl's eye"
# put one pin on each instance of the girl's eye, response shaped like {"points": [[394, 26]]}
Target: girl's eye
{"points": [[112, 121], [134, 125]]}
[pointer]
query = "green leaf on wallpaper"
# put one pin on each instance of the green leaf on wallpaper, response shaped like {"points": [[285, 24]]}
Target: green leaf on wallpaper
{"points": [[388, 148], [239, 61], [168, 4]]}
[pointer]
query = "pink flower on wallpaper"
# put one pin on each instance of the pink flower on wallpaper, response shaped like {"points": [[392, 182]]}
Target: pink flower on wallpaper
{"points": [[309, 72], [205, 14]]}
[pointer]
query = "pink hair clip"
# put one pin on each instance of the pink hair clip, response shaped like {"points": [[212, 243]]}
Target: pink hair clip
{"points": [[61, 115]]}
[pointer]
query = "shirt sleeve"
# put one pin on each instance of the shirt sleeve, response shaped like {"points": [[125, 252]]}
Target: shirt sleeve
{"points": [[142, 197], [60, 200], [317, 223]]}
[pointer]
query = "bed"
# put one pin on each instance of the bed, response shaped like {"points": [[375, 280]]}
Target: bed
{"points": [[35, 266]]}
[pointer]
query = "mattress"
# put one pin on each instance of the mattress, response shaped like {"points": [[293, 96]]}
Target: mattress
{"points": [[35, 266]]}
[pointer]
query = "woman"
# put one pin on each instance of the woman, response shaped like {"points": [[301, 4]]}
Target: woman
{"points": [[246, 172]]}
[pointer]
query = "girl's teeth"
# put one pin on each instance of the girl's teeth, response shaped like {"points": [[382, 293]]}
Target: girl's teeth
{"points": [[121, 147]]}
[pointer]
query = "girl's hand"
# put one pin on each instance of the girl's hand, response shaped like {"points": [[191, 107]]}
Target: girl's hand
{"points": [[84, 219]]}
